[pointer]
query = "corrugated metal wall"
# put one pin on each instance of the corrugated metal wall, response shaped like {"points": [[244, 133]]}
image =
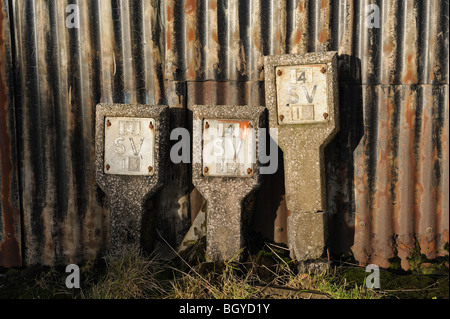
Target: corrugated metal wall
{"points": [[10, 227], [387, 169]]}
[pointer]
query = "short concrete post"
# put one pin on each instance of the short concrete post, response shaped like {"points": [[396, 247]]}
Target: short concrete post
{"points": [[302, 99], [131, 153], [226, 170]]}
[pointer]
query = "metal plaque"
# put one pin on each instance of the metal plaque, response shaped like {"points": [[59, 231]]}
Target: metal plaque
{"points": [[229, 148], [302, 94], [129, 146]]}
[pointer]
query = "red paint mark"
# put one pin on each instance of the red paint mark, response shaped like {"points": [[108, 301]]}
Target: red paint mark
{"points": [[410, 57], [410, 76], [191, 74], [322, 36], [190, 6], [215, 37], [168, 41], [213, 5], [301, 7], [298, 36], [323, 4], [191, 34], [243, 126], [388, 47], [169, 13]]}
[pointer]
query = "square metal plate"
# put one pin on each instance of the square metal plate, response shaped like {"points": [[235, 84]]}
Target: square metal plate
{"points": [[229, 148], [129, 145], [302, 94]]}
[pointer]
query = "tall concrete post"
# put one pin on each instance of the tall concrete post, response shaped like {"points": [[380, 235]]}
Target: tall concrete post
{"points": [[302, 99]]}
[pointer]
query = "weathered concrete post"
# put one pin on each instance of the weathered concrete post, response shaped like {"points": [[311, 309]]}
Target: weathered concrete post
{"points": [[131, 153], [302, 99], [225, 170]]}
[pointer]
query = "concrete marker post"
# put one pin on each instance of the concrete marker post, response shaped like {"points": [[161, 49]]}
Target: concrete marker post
{"points": [[131, 147], [222, 180], [302, 99]]}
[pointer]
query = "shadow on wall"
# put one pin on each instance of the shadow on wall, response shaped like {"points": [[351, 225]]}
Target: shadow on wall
{"points": [[339, 158]]}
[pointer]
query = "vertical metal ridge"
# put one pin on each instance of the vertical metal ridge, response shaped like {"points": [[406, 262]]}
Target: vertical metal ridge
{"points": [[10, 220], [274, 28], [300, 33], [389, 44], [108, 64], [211, 48], [404, 201], [193, 46], [442, 230], [58, 68], [344, 27], [434, 42]]}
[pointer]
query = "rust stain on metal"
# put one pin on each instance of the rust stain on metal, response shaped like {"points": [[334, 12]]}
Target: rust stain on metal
{"points": [[190, 6]]}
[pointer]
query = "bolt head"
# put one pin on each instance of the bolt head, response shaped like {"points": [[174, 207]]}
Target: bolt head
{"points": [[323, 69], [325, 115], [206, 170], [108, 123], [249, 171], [206, 125], [150, 169], [281, 117], [107, 167], [279, 72]]}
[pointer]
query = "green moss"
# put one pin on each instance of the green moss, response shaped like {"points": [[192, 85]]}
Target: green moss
{"points": [[355, 275], [422, 265]]}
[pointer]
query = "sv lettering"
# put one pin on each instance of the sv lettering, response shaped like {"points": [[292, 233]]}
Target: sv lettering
{"points": [[294, 97], [120, 147], [136, 151]]}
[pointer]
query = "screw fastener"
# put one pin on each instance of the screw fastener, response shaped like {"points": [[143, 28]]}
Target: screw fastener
{"points": [[323, 69], [108, 123], [325, 115], [206, 170], [151, 126], [206, 125], [249, 171], [107, 167], [279, 72], [281, 117], [150, 169]]}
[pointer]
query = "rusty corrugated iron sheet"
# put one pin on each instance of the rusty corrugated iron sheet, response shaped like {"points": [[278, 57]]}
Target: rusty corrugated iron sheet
{"points": [[116, 56], [10, 228], [387, 169]]}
